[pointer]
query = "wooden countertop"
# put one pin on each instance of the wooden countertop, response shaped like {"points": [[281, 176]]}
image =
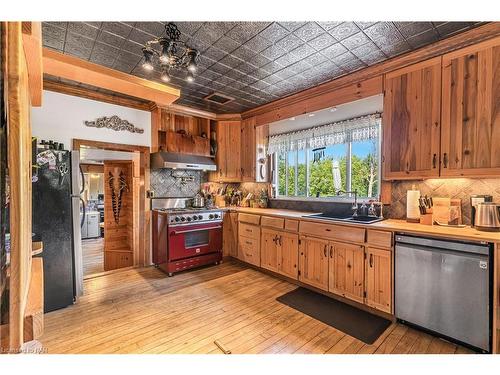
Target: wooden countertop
{"points": [[393, 225]]}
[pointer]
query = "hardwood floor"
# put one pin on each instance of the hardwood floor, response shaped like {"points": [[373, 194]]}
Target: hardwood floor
{"points": [[93, 256], [143, 311]]}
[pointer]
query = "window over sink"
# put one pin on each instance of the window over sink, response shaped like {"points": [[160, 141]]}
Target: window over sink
{"points": [[321, 161]]}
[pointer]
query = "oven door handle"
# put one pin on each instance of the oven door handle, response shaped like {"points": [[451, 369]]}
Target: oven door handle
{"points": [[193, 230]]}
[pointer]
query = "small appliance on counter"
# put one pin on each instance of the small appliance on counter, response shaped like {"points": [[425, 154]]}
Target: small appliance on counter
{"points": [[475, 199], [487, 216]]}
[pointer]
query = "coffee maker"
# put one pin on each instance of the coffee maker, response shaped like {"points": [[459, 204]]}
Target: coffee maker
{"points": [[474, 200]]}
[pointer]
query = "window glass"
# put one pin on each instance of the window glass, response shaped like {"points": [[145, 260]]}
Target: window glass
{"points": [[364, 168], [291, 172], [301, 173], [328, 174]]}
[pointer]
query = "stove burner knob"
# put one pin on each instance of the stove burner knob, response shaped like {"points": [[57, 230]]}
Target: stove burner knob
{"points": [[216, 216], [200, 217], [188, 218], [183, 218], [210, 216], [177, 218], [195, 217]]}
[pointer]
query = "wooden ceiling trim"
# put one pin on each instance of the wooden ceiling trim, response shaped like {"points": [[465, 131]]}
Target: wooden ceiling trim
{"points": [[75, 69], [32, 45], [86, 93], [476, 35]]}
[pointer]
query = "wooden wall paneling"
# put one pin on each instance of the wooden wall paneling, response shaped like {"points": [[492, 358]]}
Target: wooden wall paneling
{"points": [[471, 111], [32, 44], [156, 115], [75, 69], [411, 121], [269, 112], [19, 161]]}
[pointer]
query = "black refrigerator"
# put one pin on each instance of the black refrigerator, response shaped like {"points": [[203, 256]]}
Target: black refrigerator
{"points": [[53, 225]]}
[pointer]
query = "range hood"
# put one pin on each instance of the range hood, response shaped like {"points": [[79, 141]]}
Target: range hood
{"points": [[181, 161]]}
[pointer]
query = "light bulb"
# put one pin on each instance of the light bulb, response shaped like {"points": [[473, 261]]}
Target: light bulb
{"points": [[147, 64], [190, 77], [165, 77]]}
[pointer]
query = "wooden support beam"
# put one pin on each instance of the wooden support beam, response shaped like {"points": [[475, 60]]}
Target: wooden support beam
{"points": [[32, 44], [75, 69]]}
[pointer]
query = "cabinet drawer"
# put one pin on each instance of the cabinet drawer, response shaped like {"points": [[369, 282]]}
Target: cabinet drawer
{"points": [[249, 250], [249, 218], [272, 222], [335, 232], [292, 225], [379, 238], [249, 231]]}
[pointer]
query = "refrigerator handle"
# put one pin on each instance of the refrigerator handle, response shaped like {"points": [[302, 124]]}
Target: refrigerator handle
{"points": [[83, 179], [84, 209]]}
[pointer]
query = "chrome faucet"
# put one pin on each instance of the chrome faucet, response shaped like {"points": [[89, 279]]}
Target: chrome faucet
{"points": [[355, 203]]}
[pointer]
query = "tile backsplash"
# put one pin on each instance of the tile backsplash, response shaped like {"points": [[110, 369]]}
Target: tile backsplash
{"points": [[461, 188], [170, 183]]}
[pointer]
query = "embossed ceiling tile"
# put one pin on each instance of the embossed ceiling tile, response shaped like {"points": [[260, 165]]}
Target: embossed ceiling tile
{"points": [[392, 50], [274, 32], [219, 68], [409, 29], [214, 53], [316, 59], [303, 51], [374, 57], [104, 54], [272, 67], [110, 39], [355, 41], [363, 25], [259, 73], [309, 31], [227, 44], [322, 41], [352, 65], [125, 66], [61, 25], [79, 50], [273, 52], [83, 29], [132, 47], [427, 37], [200, 45], [188, 28], [300, 66], [243, 53], [365, 50], [383, 33], [344, 30], [235, 74], [260, 85], [78, 40], [285, 73], [246, 68], [291, 26], [258, 60], [258, 44], [53, 36], [210, 32], [328, 25], [271, 79], [117, 28], [450, 28], [334, 51], [211, 75], [153, 28], [289, 42], [287, 59], [231, 61], [139, 36], [345, 58], [243, 31]]}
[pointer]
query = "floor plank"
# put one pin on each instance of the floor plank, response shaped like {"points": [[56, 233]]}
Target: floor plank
{"points": [[143, 311], [93, 256]]}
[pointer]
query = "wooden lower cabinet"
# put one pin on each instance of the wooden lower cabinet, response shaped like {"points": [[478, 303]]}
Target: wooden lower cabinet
{"points": [[269, 249], [249, 250], [288, 255], [378, 279], [230, 234], [313, 262], [346, 270], [117, 259]]}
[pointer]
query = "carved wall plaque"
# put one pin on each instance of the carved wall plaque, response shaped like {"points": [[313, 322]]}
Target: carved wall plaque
{"points": [[115, 123]]}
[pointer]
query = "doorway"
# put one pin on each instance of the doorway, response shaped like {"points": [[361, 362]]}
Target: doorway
{"points": [[113, 203]]}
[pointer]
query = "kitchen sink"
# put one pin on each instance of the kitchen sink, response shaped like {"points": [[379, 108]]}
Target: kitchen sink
{"points": [[359, 218]]}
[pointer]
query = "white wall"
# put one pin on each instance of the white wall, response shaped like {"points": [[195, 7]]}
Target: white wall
{"points": [[61, 119]]}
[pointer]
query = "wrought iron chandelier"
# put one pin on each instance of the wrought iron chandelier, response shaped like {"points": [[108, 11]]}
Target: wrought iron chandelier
{"points": [[172, 53]]}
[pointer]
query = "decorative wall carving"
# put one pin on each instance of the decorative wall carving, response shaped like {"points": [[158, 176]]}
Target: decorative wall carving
{"points": [[114, 123], [117, 193]]}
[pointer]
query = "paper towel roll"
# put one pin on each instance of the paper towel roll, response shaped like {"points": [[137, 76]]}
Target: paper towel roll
{"points": [[412, 211]]}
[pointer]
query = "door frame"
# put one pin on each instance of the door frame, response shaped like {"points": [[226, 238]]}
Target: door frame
{"points": [[142, 226]]}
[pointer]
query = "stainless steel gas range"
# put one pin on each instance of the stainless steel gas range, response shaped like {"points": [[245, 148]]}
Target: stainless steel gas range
{"points": [[185, 237]]}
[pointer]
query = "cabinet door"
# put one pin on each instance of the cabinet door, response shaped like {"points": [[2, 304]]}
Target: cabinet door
{"points": [[228, 152], [313, 268], [288, 254], [269, 249], [248, 150], [378, 266], [347, 276], [470, 132], [230, 234], [411, 121]]}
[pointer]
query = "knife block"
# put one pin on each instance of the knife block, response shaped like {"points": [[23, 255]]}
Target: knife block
{"points": [[426, 219]]}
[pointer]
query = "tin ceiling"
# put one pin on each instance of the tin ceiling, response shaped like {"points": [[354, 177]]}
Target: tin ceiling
{"points": [[252, 62]]}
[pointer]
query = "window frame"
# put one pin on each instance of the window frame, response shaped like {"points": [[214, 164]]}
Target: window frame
{"points": [[307, 197]]}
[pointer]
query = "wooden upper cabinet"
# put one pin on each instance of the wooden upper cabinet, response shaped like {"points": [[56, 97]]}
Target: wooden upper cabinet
{"points": [[347, 270], [470, 135], [228, 152], [313, 262], [411, 121], [378, 274], [248, 150]]}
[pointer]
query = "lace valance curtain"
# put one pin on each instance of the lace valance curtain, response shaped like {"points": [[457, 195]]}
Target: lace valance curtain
{"points": [[357, 129]]}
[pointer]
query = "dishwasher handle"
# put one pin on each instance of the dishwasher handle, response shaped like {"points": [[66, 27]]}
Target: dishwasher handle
{"points": [[434, 243]]}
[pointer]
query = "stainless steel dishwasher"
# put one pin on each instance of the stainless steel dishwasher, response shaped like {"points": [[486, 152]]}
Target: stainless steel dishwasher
{"points": [[445, 287]]}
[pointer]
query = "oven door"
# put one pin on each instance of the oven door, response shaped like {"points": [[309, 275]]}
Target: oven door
{"points": [[193, 240]]}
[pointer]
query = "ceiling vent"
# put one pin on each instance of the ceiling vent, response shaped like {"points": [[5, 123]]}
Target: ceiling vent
{"points": [[218, 98]]}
